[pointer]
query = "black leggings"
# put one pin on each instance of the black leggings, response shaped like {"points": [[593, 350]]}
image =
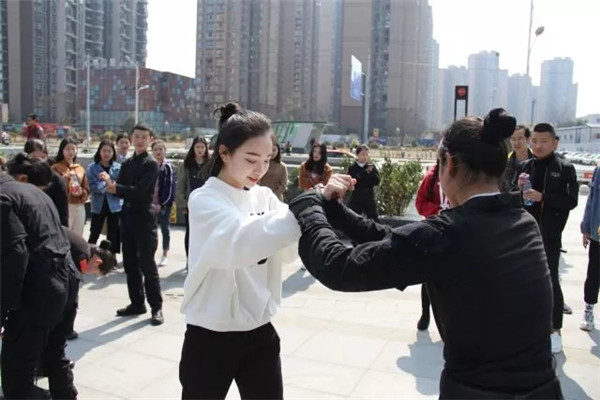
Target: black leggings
{"points": [[552, 247], [592, 280], [211, 360], [112, 228]]}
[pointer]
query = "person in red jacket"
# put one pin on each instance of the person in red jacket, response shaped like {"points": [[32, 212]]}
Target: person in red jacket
{"points": [[430, 201], [32, 129]]}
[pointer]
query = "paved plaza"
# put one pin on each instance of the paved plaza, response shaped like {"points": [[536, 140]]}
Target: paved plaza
{"points": [[334, 345]]}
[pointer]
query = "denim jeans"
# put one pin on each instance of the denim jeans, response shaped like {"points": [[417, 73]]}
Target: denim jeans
{"points": [[163, 220]]}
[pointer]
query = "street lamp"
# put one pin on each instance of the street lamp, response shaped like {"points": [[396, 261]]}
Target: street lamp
{"points": [[137, 88], [538, 32]]}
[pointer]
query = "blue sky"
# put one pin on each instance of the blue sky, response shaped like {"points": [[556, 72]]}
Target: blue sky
{"points": [[462, 27]]}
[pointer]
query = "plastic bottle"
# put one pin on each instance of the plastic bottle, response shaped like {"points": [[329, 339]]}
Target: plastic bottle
{"points": [[74, 184], [527, 187]]}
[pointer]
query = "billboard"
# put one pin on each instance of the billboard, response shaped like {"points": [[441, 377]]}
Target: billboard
{"points": [[356, 89]]}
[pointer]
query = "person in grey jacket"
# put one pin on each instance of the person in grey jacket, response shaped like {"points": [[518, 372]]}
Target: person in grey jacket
{"points": [[189, 178]]}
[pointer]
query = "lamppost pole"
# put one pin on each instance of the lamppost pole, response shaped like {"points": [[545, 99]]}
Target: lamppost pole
{"points": [[87, 102], [530, 43], [137, 84]]}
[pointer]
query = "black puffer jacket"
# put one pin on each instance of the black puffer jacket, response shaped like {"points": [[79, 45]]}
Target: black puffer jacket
{"points": [[485, 268]]}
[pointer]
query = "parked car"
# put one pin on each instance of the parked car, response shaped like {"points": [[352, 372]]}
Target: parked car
{"points": [[336, 153]]}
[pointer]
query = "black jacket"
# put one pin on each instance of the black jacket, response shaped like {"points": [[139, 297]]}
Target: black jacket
{"points": [[560, 193], [57, 191], [511, 173], [137, 179], [36, 266], [365, 181], [490, 288]]}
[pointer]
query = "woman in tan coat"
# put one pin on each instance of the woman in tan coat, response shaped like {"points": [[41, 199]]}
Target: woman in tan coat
{"points": [[78, 188], [276, 177], [315, 170]]}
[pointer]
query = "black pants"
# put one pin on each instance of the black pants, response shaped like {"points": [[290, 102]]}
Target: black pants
{"points": [[592, 280], [187, 235], [425, 303], [211, 360], [25, 346], [552, 247], [451, 389], [112, 227], [364, 203], [140, 240]]}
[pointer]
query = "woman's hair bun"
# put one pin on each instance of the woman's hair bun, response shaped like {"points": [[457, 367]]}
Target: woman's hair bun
{"points": [[497, 126], [227, 111], [105, 244]]}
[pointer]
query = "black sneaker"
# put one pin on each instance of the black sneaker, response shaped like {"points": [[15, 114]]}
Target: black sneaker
{"points": [[157, 318], [73, 335], [131, 310]]}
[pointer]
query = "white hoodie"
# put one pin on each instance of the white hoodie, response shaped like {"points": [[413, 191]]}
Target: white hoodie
{"points": [[237, 248]]}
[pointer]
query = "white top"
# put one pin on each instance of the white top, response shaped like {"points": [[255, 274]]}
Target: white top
{"points": [[238, 241]]}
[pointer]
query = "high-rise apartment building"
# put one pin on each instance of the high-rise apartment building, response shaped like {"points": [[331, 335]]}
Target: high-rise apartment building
{"points": [[484, 82], [397, 37], [48, 41], [557, 94], [237, 55], [519, 98], [328, 55], [3, 53], [448, 79], [125, 23], [299, 44]]}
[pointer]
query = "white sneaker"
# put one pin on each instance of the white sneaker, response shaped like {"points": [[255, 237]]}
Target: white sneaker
{"points": [[587, 323], [163, 261], [555, 343]]}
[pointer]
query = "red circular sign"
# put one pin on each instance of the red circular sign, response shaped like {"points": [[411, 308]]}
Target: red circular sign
{"points": [[461, 92]]}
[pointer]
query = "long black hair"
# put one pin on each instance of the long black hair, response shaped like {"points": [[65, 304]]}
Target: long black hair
{"points": [[318, 167], [277, 157], [109, 143], [38, 172], [478, 147], [236, 126], [190, 158], [63, 143]]}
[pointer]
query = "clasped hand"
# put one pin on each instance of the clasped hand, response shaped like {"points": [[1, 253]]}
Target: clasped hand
{"points": [[111, 187], [338, 186]]}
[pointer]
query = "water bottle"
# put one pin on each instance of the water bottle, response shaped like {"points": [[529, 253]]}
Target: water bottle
{"points": [[527, 187], [74, 185]]}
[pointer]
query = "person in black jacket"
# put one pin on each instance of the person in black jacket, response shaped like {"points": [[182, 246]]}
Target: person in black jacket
{"points": [[362, 198], [555, 192], [519, 142], [39, 285], [57, 190], [139, 236], [479, 279]]}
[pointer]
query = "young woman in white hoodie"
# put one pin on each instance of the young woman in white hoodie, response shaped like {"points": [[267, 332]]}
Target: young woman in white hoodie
{"points": [[239, 233]]}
